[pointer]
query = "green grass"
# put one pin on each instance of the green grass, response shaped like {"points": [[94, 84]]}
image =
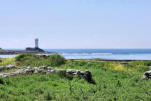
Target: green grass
{"points": [[110, 85], [114, 82]]}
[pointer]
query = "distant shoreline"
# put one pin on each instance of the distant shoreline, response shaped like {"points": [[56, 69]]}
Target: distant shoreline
{"points": [[16, 52], [104, 55]]}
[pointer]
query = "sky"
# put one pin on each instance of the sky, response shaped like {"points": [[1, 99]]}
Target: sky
{"points": [[73, 24]]}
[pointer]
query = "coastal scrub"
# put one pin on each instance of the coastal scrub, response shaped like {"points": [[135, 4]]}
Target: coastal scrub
{"points": [[37, 60], [114, 81]]}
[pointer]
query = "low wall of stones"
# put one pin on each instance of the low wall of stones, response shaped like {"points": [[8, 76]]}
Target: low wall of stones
{"points": [[48, 70], [11, 66]]}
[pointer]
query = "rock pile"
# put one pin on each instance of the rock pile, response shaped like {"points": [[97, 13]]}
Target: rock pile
{"points": [[48, 70], [147, 74], [83, 74], [7, 67]]}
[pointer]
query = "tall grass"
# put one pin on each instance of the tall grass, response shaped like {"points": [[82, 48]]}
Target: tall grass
{"points": [[6, 61]]}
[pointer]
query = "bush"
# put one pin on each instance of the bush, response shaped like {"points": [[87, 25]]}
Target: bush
{"points": [[48, 97], [142, 68], [29, 60], [36, 60], [81, 62], [97, 59], [2, 81], [114, 66], [23, 57], [56, 60], [6, 61], [139, 66]]}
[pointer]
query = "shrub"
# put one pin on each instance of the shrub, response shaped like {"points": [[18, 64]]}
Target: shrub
{"points": [[2, 81], [142, 68], [22, 57], [6, 61], [56, 60], [114, 66], [36, 60], [147, 63], [81, 62], [97, 59], [29, 60], [48, 97], [119, 67], [139, 66]]}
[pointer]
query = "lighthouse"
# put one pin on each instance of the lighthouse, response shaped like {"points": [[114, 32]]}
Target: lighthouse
{"points": [[36, 43], [36, 48]]}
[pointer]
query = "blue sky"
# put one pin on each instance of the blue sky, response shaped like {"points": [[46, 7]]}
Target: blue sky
{"points": [[75, 23]]}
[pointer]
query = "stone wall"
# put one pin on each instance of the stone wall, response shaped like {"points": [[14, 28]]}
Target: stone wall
{"points": [[47, 70]]}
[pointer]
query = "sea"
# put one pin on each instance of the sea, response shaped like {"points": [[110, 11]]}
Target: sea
{"points": [[106, 54]]}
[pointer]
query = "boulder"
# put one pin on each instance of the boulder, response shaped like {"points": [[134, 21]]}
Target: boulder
{"points": [[87, 76], [82, 74], [10, 66], [71, 71], [29, 71], [147, 74], [5, 74]]}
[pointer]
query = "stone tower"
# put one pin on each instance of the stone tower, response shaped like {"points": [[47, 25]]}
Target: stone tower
{"points": [[36, 43]]}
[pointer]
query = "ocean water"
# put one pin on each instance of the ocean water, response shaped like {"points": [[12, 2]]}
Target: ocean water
{"points": [[113, 54], [108, 54]]}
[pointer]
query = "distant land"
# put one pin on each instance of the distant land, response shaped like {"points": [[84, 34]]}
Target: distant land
{"points": [[35, 50]]}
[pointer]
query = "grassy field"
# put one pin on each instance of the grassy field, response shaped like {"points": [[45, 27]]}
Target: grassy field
{"points": [[115, 81]]}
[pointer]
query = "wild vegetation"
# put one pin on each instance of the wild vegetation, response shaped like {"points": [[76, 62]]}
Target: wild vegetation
{"points": [[6, 61], [115, 81], [35, 60]]}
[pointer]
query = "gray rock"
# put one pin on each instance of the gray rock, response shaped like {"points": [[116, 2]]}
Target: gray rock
{"points": [[14, 73], [4, 74], [83, 74], [28, 67], [50, 68], [71, 71], [11, 66], [43, 67], [41, 71], [52, 71], [147, 74], [36, 69]]}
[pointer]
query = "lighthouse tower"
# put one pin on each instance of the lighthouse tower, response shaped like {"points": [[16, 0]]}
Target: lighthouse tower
{"points": [[36, 43], [36, 48]]}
